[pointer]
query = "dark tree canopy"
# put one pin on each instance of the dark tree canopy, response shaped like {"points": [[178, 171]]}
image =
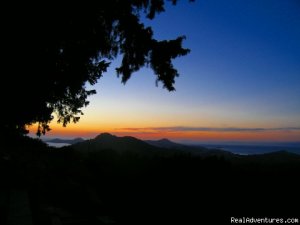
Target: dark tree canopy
{"points": [[52, 50]]}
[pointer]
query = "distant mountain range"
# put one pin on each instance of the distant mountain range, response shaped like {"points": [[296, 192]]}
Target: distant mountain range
{"points": [[67, 141], [165, 143], [194, 150], [107, 141]]}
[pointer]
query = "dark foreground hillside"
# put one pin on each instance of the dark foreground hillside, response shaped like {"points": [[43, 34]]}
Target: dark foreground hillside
{"points": [[66, 186]]}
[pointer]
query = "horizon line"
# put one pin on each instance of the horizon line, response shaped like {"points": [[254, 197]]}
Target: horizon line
{"points": [[184, 141]]}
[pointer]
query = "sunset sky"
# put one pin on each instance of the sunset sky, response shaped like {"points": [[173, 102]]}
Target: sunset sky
{"points": [[241, 81]]}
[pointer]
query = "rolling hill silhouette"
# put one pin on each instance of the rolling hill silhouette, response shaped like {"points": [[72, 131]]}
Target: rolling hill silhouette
{"points": [[106, 141], [68, 141], [165, 143], [165, 147], [193, 150]]}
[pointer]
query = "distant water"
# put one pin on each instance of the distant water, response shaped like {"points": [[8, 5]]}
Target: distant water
{"points": [[254, 149], [57, 145], [234, 148]]}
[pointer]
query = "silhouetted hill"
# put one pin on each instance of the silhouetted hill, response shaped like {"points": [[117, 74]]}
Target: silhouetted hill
{"points": [[278, 157], [106, 141], [68, 141], [194, 150], [164, 143]]}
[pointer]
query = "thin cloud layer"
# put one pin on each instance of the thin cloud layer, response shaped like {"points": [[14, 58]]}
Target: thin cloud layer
{"points": [[207, 129]]}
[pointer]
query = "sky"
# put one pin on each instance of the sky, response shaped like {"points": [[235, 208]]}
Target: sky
{"points": [[240, 82]]}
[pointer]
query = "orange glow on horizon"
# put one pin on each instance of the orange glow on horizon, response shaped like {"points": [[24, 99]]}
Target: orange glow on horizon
{"points": [[218, 136], [73, 130]]}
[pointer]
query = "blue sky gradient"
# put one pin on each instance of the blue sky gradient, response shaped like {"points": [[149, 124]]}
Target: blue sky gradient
{"points": [[243, 71]]}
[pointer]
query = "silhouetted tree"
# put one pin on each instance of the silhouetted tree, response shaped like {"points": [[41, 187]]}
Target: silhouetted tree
{"points": [[53, 49]]}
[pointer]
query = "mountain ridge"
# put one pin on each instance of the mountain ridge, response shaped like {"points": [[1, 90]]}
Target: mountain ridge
{"points": [[107, 141], [67, 141], [133, 144], [164, 142]]}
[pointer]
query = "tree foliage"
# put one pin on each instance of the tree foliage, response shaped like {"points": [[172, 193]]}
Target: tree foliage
{"points": [[52, 50]]}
